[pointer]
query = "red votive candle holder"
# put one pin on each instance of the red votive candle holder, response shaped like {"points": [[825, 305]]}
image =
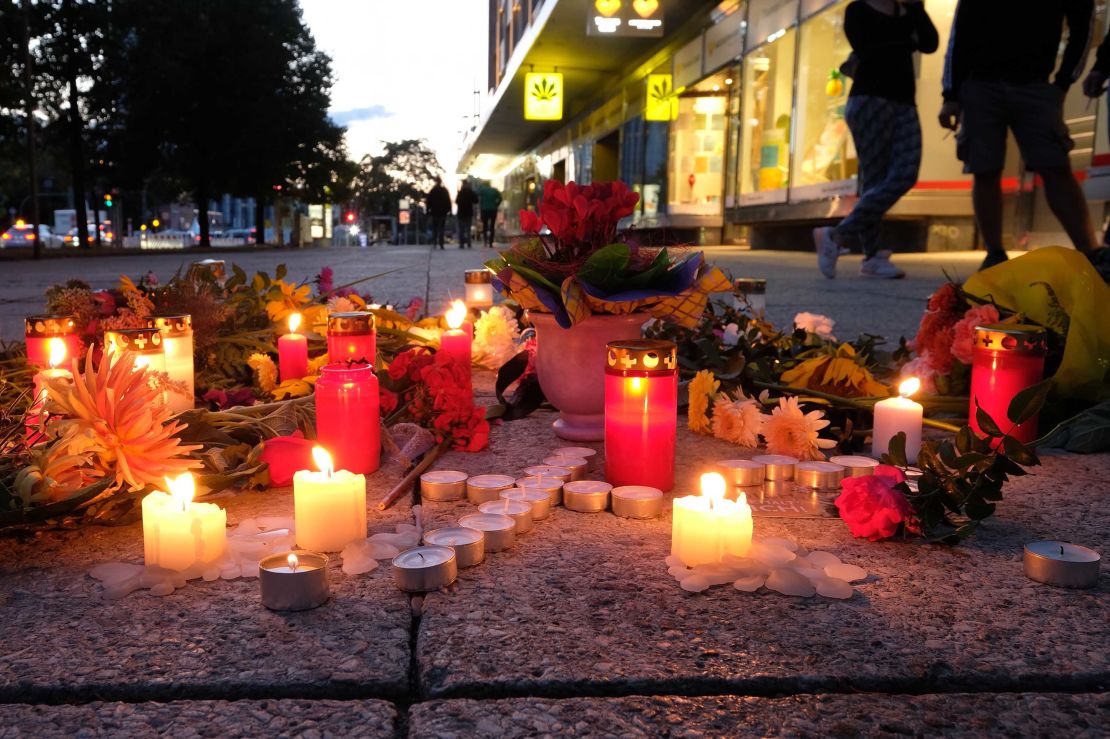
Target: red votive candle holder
{"points": [[347, 416], [456, 340], [351, 338], [293, 351], [39, 330], [641, 413], [1007, 359]]}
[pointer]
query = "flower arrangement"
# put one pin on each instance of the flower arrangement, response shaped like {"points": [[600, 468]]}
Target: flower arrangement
{"points": [[432, 390], [572, 261]]}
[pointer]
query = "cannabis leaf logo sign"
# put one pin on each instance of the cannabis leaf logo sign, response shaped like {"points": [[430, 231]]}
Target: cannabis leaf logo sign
{"points": [[661, 91], [544, 90]]}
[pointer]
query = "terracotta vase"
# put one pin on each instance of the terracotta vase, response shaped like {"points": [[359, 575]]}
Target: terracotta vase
{"points": [[570, 365]]}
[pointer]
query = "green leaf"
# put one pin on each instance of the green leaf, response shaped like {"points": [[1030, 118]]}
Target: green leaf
{"points": [[977, 509], [1085, 433], [280, 272], [1018, 452], [1029, 402], [964, 440], [532, 275], [605, 267], [986, 423]]}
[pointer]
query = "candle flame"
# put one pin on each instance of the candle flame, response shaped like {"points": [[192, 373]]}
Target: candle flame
{"points": [[293, 561], [909, 387], [323, 459], [57, 351], [456, 314], [182, 488], [294, 322], [742, 500], [713, 486]]}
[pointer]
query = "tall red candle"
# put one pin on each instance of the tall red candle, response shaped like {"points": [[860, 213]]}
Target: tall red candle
{"points": [[37, 416], [351, 338], [39, 330], [641, 413], [456, 341], [347, 416], [293, 351], [1007, 359]]}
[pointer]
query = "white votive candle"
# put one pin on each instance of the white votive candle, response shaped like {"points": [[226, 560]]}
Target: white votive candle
{"points": [[329, 507], [895, 415], [181, 535]]}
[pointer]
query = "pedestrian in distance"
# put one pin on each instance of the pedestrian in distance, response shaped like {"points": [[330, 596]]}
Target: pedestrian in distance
{"points": [[998, 76], [882, 115], [464, 213], [1094, 86], [489, 200], [438, 202]]}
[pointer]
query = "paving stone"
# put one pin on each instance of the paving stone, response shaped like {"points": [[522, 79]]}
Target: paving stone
{"points": [[957, 715], [584, 603], [63, 641], [272, 718]]}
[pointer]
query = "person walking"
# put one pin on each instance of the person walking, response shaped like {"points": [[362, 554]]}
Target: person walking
{"points": [[996, 78], [882, 116], [489, 200], [1094, 86], [464, 213], [438, 202]]}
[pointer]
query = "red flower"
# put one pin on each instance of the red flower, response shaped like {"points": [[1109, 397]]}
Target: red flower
{"points": [[413, 308], [530, 222], [387, 399], [105, 302], [871, 506], [286, 455], [410, 364]]}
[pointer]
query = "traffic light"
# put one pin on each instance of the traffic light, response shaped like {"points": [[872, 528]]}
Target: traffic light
{"points": [[107, 200], [350, 217]]}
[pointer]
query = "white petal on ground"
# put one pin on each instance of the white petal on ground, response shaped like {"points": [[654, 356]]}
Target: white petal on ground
{"points": [[789, 582], [749, 584], [694, 584], [823, 559], [841, 571], [830, 587]]}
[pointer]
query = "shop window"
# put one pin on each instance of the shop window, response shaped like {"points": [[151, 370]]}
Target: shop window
{"points": [[644, 164], [732, 152], [697, 160], [825, 161], [768, 83]]}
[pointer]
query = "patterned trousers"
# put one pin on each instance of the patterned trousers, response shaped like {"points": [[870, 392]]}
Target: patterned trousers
{"points": [[887, 135]]}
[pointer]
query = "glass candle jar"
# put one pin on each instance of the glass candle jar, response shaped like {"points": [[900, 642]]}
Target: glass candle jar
{"points": [[347, 416], [177, 342], [351, 338], [1007, 359], [641, 413], [754, 291], [479, 288], [39, 330], [145, 343], [213, 270]]}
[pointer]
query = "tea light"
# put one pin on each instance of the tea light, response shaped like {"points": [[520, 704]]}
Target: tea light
{"points": [[552, 486], [895, 415], [1061, 564], [456, 342], [181, 535], [352, 338], [777, 466], [484, 488], [577, 452], [144, 343], [754, 290], [38, 330], [479, 288], [576, 465], [293, 351], [212, 269], [177, 344], [499, 530], [819, 475], [518, 510], [293, 581], [443, 485], [538, 499], [742, 472], [426, 568], [469, 544], [548, 470], [637, 501], [586, 496], [329, 507], [855, 465]]}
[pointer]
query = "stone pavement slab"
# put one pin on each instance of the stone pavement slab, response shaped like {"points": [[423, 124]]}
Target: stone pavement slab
{"points": [[64, 641], [583, 604], [271, 718], [956, 715]]}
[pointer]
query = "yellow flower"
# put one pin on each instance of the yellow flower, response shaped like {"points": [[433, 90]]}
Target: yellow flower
{"points": [[702, 388], [496, 333], [294, 388], [737, 421], [314, 365], [789, 431], [265, 371], [837, 373], [292, 299]]}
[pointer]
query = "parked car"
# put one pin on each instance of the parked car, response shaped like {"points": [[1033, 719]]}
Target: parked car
{"points": [[106, 235], [246, 235], [22, 234]]}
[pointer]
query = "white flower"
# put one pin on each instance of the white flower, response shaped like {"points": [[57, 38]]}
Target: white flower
{"points": [[496, 333], [815, 323], [732, 335], [338, 304]]}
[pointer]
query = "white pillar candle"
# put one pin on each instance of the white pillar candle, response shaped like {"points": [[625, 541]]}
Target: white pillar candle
{"points": [[329, 507], [706, 527], [181, 535], [898, 414]]}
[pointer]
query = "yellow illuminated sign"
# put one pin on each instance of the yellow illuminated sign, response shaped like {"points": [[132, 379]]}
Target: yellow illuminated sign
{"points": [[543, 96], [662, 102]]}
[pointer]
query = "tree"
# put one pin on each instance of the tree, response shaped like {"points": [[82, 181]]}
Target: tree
{"points": [[404, 170]]}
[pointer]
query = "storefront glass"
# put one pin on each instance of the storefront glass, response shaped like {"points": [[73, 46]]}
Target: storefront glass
{"points": [[768, 88], [644, 164], [697, 159]]}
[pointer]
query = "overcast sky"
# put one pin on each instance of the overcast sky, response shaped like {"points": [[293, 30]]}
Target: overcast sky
{"points": [[403, 68]]}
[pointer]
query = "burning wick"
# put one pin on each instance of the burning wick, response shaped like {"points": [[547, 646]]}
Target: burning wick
{"points": [[182, 488], [456, 314], [909, 387], [294, 322], [323, 460], [293, 561], [713, 487]]}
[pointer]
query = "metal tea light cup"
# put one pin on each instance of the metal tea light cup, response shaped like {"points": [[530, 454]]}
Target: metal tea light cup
{"points": [[469, 544], [424, 569], [500, 531], [818, 475], [586, 496], [742, 472], [855, 465], [637, 501], [540, 500], [289, 584], [443, 485], [484, 488], [576, 465], [777, 467], [548, 470], [518, 510], [577, 452], [1061, 564], [553, 486]]}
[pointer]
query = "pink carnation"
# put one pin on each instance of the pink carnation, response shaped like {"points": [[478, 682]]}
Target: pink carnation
{"points": [[963, 341], [871, 506]]}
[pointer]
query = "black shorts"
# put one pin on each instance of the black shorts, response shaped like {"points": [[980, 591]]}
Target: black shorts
{"points": [[1033, 111]]}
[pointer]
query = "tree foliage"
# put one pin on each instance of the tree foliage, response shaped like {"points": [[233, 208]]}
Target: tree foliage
{"points": [[405, 169]]}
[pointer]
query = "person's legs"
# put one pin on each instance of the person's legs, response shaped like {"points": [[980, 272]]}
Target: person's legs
{"points": [[488, 217], [986, 197], [438, 224], [873, 124], [464, 232], [981, 145], [1065, 198]]}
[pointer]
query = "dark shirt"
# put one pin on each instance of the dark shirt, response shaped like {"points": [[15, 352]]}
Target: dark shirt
{"points": [[884, 45], [465, 202], [439, 201], [1102, 59], [1017, 41]]}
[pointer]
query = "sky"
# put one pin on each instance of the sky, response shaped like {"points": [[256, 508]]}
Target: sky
{"points": [[403, 69]]}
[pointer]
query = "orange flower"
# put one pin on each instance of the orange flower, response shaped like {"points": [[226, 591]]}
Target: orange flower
{"points": [[789, 431]]}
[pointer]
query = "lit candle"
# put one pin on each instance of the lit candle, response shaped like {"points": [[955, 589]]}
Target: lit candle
{"points": [[479, 288], [181, 535], [293, 351], [1007, 359], [144, 343], [754, 293], [706, 527], [177, 344], [347, 416], [352, 338], [294, 581], [37, 416], [641, 411], [329, 507], [898, 414], [455, 341], [40, 329]]}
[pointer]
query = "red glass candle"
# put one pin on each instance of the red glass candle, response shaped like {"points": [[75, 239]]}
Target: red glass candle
{"points": [[347, 416], [351, 338], [39, 330], [37, 417], [456, 340], [641, 413], [293, 351], [1007, 359]]}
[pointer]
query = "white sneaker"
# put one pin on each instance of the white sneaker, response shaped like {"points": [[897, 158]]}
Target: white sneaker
{"points": [[827, 251], [880, 266]]}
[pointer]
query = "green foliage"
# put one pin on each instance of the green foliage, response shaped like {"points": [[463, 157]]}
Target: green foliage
{"points": [[404, 170], [1086, 432]]}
